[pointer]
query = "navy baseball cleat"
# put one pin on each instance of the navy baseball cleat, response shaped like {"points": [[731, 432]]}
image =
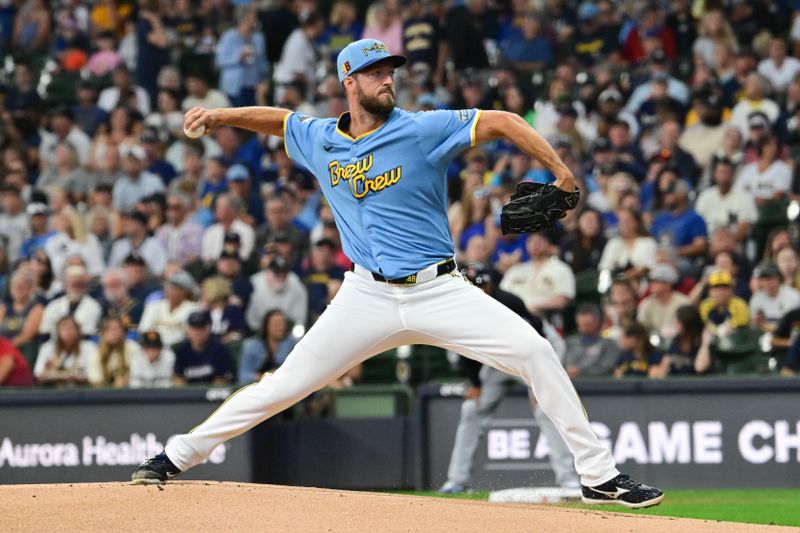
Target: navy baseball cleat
{"points": [[622, 490], [154, 471]]}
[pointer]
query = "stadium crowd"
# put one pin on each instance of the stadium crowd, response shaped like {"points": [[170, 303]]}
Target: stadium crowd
{"points": [[131, 256]]}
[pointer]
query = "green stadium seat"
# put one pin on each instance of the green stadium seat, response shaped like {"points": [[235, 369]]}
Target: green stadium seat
{"points": [[381, 368], [368, 401]]}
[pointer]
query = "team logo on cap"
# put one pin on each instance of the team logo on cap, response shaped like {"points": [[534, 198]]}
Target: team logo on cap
{"points": [[346, 67], [376, 47]]}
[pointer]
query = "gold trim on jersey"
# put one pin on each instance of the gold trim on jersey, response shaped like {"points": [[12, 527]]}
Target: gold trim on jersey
{"points": [[347, 136], [473, 136]]}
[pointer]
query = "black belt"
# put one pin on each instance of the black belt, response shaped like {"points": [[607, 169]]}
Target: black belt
{"points": [[445, 267]]}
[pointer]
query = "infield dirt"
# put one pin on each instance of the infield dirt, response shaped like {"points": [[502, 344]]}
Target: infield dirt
{"points": [[197, 506]]}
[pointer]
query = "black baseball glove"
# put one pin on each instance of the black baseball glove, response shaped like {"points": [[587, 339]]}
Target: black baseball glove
{"points": [[536, 207]]}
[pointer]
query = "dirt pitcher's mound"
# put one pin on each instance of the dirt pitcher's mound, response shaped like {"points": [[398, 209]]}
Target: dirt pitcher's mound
{"points": [[196, 506]]}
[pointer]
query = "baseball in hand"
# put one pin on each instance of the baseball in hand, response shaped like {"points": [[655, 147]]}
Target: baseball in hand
{"points": [[195, 133]]}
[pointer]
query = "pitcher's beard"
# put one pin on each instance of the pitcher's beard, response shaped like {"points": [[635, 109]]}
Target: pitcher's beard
{"points": [[376, 105]]}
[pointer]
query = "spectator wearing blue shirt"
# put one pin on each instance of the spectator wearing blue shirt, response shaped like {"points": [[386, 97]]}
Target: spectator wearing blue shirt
{"points": [[201, 358], [40, 233], [268, 350], [679, 226], [322, 276], [527, 50], [88, 115], [240, 186], [154, 156], [242, 60], [638, 358], [344, 28]]}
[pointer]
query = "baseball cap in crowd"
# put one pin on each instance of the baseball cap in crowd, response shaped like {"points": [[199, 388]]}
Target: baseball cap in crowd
{"points": [[769, 270], [228, 253], [37, 208], [134, 258], [567, 109], [360, 54], [587, 11], [562, 141], [758, 119], [720, 278], [132, 150], [237, 172], [151, 339], [74, 270], [326, 242], [279, 265], [550, 235], [477, 273], [610, 94], [199, 319], [663, 272], [150, 135], [601, 144], [183, 280]]}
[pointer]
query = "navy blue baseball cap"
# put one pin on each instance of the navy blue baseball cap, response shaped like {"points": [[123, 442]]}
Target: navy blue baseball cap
{"points": [[361, 54]]}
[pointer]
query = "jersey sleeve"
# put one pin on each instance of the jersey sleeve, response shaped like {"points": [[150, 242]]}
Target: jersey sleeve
{"points": [[299, 132], [444, 134]]}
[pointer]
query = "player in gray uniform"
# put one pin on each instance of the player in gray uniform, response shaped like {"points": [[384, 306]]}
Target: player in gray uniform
{"points": [[383, 173], [488, 386]]}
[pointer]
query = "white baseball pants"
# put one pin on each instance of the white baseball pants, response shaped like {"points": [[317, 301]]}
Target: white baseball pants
{"points": [[368, 317]]}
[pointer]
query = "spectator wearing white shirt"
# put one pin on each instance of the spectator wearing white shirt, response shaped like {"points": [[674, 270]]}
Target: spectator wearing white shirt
{"points": [[153, 365], [168, 316], [13, 220], [227, 211], [767, 178], [201, 95], [71, 240], [657, 311], [277, 287], [778, 68], [772, 300], [135, 182], [544, 283], [76, 302], [756, 88], [136, 238], [722, 206], [65, 359], [121, 79], [63, 130], [299, 55], [633, 250]]}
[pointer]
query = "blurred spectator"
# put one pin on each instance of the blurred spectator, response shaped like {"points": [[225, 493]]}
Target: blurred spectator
{"points": [[657, 68], [715, 32], [136, 238], [63, 130], [122, 91], [117, 302], [593, 40], [385, 26], [227, 211], [299, 56], [76, 303], [181, 238], [787, 261], [32, 26], [227, 319], [152, 52], [691, 350], [587, 352], [620, 308], [152, 366], [722, 311], [14, 369], [705, 137], [424, 40], [657, 311], [202, 358], [154, 156], [240, 187], [110, 364], [21, 313], [22, 95], [277, 287], [13, 221], [135, 183], [343, 28], [468, 26], [527, 51], [723, 206], [779, 69], [168, 316], [139, 285], [649, 34], [65, 358], [633, 250], [545, 283], [754, 98], [267, 350], [242, 60], [582, 248], [105, 58], [279, 223], [323, 277], [772, 299], [473, 218], [638, 357], [679, 226], [199, 94]]}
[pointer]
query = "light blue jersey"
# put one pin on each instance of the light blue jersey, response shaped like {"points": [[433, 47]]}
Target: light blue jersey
{"points": [[387, 188]]}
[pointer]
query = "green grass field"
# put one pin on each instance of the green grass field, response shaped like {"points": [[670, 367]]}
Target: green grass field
{"points": [[754, 506]]}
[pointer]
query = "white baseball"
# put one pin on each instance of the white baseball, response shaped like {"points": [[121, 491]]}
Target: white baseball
{"points": [[195, 133]]}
